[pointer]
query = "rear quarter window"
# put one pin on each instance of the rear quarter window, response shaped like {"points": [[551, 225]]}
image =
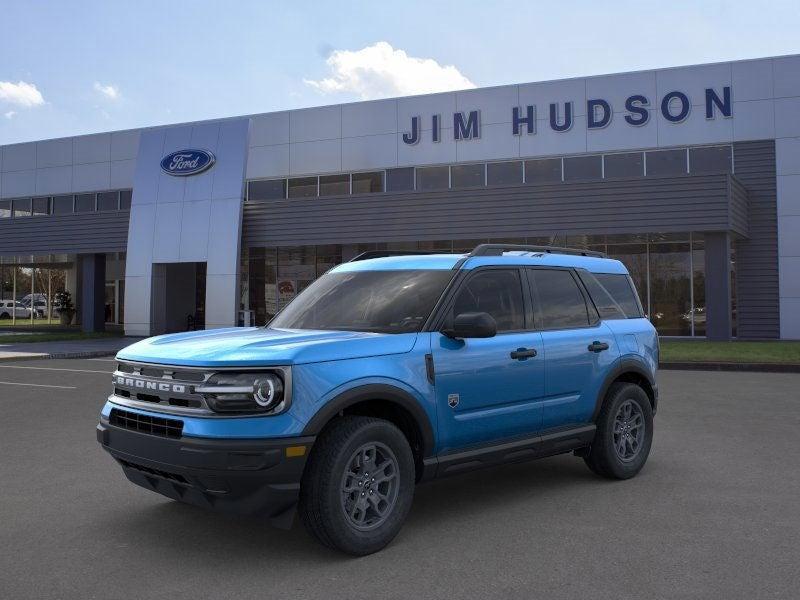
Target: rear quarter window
{"points": [[613, 294]]}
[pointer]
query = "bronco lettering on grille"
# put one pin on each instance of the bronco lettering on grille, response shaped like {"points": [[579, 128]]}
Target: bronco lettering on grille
{"points": [[131, 382]]}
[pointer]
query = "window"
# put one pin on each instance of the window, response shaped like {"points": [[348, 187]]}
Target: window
{"points": [[108, 201], [400, 180], [468, 175], [22, 207], [630, 164], [495, 291], [612, 294], [334, 185], [41, 206], [375, 301], [367, 183], [543, 171], [5, 209], [666, 162], [560, 301], [433, 178], [125, 199], [62, 205], [303, 187], [272, 189], [579, 168], [713, 159], [84, 202], [504, 173]]}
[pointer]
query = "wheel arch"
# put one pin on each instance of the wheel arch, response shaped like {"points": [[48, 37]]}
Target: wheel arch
{"points": [[383, 401], [630, 371]]}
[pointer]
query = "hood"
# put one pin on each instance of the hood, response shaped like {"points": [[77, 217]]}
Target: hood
{"points": [[257, 346]]}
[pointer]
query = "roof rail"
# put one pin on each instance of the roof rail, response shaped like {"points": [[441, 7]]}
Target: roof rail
{"points": [[384, 253], [499, 249]]}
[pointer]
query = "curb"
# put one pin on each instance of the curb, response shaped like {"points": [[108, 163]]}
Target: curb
{"points": [[724, 366], [58, 355]]}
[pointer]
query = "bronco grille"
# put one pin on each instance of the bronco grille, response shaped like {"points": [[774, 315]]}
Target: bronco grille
{"points": [[171, 428]]}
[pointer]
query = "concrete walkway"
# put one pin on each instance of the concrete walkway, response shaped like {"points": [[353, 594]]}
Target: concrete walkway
{"points": [[66, 349]]}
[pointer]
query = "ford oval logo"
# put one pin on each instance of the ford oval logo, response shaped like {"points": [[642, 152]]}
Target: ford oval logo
{"points": [[187, 162]]}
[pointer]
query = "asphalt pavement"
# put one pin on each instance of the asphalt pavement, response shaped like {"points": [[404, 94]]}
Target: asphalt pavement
{"points": [[715, 514]]}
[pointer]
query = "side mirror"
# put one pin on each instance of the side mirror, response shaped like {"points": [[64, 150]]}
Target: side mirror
{"points": [[472, 325]]}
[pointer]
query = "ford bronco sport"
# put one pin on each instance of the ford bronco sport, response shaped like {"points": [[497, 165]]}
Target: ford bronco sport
{"points": [[385, 372]]}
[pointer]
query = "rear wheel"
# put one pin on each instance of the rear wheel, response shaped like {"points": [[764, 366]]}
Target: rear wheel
{"points": [[624, 433], [358, 486]]}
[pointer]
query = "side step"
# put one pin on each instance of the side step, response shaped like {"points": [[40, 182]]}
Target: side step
{"points": [[547, 444]]}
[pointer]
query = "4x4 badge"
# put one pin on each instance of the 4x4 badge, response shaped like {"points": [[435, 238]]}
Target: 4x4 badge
{"points": [[452, 400]]}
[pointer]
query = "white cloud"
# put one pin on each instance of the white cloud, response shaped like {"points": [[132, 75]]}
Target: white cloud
{"points": [[10, 114], [20, 93], [109, 91], [380, 71]]}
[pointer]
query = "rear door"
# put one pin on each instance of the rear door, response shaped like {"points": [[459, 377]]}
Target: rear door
{"points": [[579, 349], [490, 388]]}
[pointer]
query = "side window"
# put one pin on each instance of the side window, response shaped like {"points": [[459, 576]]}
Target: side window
{"points": [[606, 304], [561, 304], [622, 291], [497, 292]]}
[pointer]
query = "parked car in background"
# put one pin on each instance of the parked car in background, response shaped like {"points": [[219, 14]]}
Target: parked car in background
{"points": [[14, 308], [39, 304]]}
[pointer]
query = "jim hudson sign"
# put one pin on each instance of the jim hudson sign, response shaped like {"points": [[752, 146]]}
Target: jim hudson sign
{"points": [[674, 106]]}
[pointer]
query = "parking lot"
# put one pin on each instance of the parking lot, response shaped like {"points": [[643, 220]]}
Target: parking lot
{"points": [[714, 514]]}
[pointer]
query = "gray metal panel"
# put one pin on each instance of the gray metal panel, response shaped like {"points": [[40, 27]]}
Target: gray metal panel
{"points": [[758, 311], [56, 234], [739, 207], [641, 205]]}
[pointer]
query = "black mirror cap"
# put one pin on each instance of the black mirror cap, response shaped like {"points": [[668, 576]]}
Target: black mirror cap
{"points": [[472, 325]]}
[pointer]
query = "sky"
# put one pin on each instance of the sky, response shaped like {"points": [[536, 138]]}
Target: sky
{"points": [[85, 66]]}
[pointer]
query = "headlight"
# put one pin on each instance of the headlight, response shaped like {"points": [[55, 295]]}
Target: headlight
{"points": [[245, 392]]}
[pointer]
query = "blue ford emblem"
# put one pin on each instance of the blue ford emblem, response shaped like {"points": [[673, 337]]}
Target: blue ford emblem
{"points": [[187, 162]]}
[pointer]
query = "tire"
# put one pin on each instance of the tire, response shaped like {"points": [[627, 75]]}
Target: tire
{"points": [[624, 433], [331, 505], [5, 315]]}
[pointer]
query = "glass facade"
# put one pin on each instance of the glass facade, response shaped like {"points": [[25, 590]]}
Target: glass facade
{"points": [[668, 270]]}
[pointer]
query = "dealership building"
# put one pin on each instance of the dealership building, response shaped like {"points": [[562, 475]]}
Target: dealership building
{"points": [[689, 175]]}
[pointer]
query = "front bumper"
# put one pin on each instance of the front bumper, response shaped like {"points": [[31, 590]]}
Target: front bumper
{"points": [[249, 477]]}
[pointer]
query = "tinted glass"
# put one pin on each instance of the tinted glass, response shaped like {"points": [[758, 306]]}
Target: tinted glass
{"points": [[714, 159], [367, 183], [334, 185], [271, 189], [62, 205], [504, 173], [400, 180], [577, 168], [303, 187], [375, 301], [468, 175], [666, 162], [630, 164], [433, 178], [561, 303], [5, 209], [22, 207], [621, 289], [543, 171], [497, 292], [84, 202], [108, 201], [125, 199], [41, 206]]}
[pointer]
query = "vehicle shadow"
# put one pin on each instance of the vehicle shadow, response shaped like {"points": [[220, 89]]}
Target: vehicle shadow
{"points": [[172, 527]]}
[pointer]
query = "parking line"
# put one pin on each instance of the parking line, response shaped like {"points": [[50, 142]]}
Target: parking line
{"points": [[63, 387], [55, 369]]}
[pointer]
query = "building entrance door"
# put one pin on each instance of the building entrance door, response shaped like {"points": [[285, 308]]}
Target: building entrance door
{"points": [[178, 297]]}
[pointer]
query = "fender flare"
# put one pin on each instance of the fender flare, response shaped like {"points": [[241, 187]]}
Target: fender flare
{"points": [[374, 391], [625, 365]]}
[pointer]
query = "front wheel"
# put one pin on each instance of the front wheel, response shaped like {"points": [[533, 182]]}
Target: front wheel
{"points": [[358, 486], [624, 433]]}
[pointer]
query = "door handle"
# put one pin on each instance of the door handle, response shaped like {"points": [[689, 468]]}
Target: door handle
{"points": [[523, 353], [597, 346]]}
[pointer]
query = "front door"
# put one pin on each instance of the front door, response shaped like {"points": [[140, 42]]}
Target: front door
{"points": [[490, 388]]}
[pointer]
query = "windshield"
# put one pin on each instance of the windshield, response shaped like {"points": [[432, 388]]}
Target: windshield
{"points": [[374, 301]]}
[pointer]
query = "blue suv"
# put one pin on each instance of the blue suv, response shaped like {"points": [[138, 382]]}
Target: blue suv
{"points": [[389, 370]]}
